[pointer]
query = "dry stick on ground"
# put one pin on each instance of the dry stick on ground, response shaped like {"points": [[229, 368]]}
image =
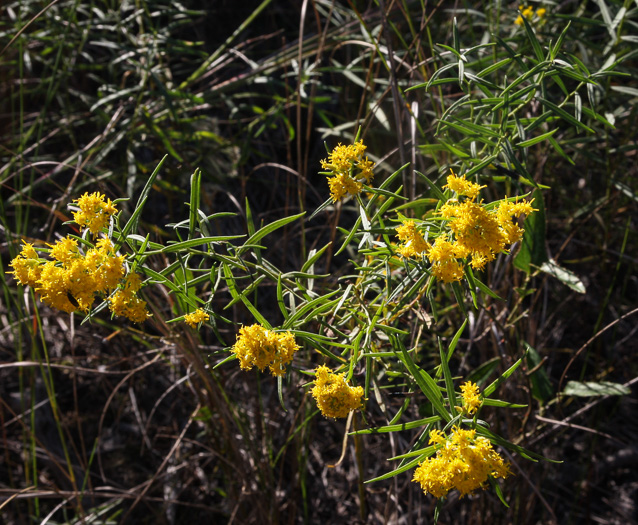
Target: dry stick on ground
{"points": [[148, 484], [534, 488], [591, 340], [108, 402], [579, 412]]}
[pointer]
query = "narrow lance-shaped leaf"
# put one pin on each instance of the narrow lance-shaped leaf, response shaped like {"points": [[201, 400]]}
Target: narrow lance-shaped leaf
{"points": [[427, 385]]}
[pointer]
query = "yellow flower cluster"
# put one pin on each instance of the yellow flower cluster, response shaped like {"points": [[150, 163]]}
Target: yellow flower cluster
{"points": [[414, 245], [463, 462], [126, 303], [528, 12], [94, 212], [72, 278], [476, 231], [196, 317], [443, 256], [349, 169], [470, 395], [260, 347], [335, 398], [461, 186]]}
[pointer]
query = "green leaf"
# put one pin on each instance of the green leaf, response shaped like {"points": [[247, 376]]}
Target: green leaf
{"points": [[495, 384], [469, 128], [234, 292], [494, 67], [564, 275], [427, 385], [541, 384], [536, 140], [538, 51], [480, 374], [280, 392], [533, 252], [447, 374], [497, 488], [436, 74], [564, 115], [498, 440], [398, 427], [486, 289], [186, 245], [318, 305], [262, 232], [131, 225], [400, 470], [520, 168], [433, 187], [560, 150], [455, 340], [454, 51], [326, 204], [501, 404], [481, 165], [556, 48], [595, 389], [350, 235]]}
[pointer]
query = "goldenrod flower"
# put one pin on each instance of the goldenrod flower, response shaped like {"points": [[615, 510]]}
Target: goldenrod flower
{"points": [[26, 266], [260, 347], [414, 243], [443, 256], [528, 12], [335, 398], [196, 317], [94, 212], [65, 250], [470, 395], [463, 462], [476, 231], [74, 275], [71, 279], [506, 211], [53, 287], [126, 303], [461, 186], [109, 270], [349, 170]]}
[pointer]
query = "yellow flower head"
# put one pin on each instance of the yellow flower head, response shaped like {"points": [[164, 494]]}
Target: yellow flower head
{"points": [[461, 186], [65, 250], [109, 270], [414, 245], [463, 461], [475, 229], [470, 395], [53, 287], [335, 398], [443, 256], [196, 317], [71, 279], [528, 12], [507, 211], [260, 347], [26, 266], [125, 302], [349, 170], [94, 212]]}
